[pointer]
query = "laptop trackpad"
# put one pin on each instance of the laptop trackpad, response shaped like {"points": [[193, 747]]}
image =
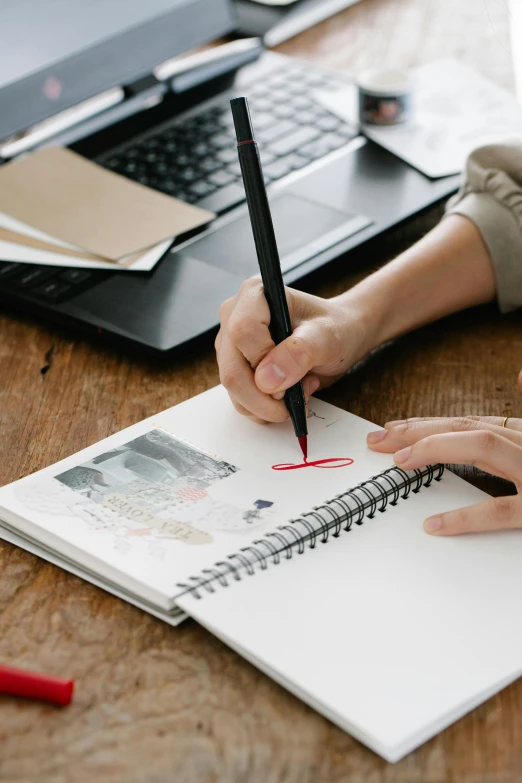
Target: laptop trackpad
{"points": [[303, 229]]}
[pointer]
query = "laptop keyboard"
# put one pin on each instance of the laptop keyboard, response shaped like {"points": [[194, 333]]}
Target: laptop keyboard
{"points": [[196, 161], [47, 283]]}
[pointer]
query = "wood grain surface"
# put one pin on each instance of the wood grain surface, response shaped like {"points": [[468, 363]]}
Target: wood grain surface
{"points": [[156, 704]]}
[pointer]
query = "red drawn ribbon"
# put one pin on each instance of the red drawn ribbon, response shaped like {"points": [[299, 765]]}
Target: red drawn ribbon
{"points": [[344, 462]]}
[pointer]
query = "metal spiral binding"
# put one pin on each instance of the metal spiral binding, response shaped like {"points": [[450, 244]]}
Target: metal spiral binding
{"points": [[329, 519]]}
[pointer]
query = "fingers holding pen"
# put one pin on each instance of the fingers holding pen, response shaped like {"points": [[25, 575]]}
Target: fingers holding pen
{"points": [[244, 343], [293, 359], [237, 377], [247, 322]]}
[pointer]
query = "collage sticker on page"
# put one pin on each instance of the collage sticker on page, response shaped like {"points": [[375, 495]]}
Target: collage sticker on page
{"points": [[155, 486]]}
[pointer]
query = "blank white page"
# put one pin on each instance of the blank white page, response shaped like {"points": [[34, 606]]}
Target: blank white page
{"points": [[389, 632]]}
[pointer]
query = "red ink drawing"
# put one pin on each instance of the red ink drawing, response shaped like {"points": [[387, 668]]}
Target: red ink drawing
{"points": [[342, 462]]}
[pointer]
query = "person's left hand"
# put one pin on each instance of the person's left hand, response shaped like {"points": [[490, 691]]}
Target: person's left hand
{"points": [[478, 441]]}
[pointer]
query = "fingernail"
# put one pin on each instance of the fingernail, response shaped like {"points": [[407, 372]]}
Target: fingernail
{"points": [[403, 455], [278, 395], [390, 424], [433, 524], [375, 437], [270, 376]]}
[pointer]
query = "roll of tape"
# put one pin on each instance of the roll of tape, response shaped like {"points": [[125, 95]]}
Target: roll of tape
{"points": [[385, 97]]}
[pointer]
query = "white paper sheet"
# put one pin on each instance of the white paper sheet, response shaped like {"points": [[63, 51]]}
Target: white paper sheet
{"points": [[455, 111], [11, 251]]}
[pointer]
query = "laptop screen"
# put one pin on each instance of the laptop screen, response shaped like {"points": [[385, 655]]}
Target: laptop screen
{"points": [[56, 53]]}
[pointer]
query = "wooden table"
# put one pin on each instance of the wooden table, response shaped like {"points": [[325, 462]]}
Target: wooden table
{"points": [[156, 704]]}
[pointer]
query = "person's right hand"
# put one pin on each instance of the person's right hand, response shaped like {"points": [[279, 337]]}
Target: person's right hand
{"points": [[328, 337]]}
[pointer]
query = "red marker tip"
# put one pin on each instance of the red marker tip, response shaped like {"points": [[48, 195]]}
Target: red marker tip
{"points": [[303, 442]]}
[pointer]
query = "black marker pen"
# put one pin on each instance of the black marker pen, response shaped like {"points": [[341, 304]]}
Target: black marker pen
{"points": [[267, 254]]}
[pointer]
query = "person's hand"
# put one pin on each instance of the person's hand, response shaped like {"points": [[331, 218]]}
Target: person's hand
{"points": [[481, 442], [328, 337]]}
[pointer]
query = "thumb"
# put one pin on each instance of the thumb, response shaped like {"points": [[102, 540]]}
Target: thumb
{"points": [[291, 360], [501, 513]]}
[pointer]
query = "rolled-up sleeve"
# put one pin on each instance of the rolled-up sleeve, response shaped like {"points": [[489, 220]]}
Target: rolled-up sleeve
{"points": [[491, 197]]}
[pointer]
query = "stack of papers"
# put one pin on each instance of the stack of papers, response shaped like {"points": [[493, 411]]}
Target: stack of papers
{"points": [[58, 208], [455, 111]]}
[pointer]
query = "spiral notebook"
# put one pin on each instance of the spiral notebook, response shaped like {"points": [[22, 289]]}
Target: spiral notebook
{"points": [[320, 574]]}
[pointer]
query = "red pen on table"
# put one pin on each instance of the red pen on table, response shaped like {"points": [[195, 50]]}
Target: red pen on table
{"points": [[33, 685]]}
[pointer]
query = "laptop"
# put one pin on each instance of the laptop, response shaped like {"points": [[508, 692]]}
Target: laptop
{"points": [[166, 122], [277, 22]]}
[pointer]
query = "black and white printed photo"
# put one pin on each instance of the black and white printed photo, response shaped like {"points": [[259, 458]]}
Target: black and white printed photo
{"points": [[154, 459]]}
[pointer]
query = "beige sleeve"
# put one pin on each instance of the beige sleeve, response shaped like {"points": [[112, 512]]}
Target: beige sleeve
{"points": [[491, 197]]}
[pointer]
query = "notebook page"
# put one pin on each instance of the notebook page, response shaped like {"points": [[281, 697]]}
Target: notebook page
{"points": [[146, 509], [389, 632]]}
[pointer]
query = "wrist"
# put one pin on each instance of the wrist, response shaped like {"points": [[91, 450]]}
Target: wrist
{"points": [[446, 271], [362, 315], [390, 302]]}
